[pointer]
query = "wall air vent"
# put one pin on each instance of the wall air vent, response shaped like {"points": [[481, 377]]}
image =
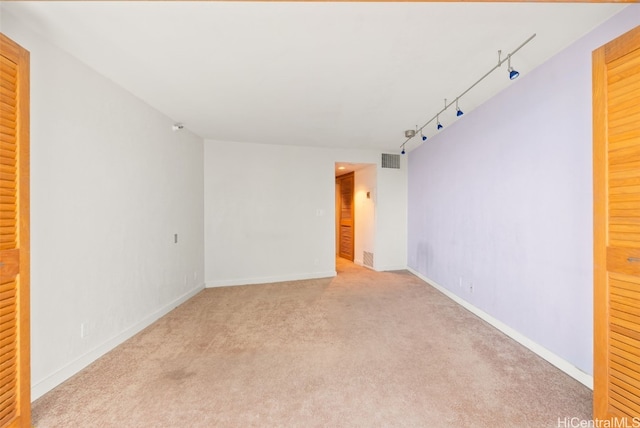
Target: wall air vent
{"points": [[390, 161], [367, 259]]}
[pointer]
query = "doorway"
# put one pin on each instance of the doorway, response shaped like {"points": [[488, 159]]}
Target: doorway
{"points": [[345, 215], [357, 209]]}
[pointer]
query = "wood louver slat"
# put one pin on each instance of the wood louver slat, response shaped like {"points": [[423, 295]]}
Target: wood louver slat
{"points": [[623, 389], [624, 156], [613, 227], [625, 106], [620, 370], [624, 111], [625, 205], [619, 66], [9, 68], [625, 198], [8, 332], [7, 77], [614, 183], [5, 373], [9, 71], [8, 84], [623, 124], [8, 102], [8, 123], [622, 68], [7, 414], [617, 90], [627, 138], [7, 139], [629, 188], [8, 401], [626, 342], [8, 357], [620, 378], [7, 106], [8, 340], [6, 92], [5, 379], [617, 169]]}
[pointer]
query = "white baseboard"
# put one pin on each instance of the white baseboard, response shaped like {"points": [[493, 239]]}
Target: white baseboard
{"points": [[269, 279], [562, 364], [39, 388], [391, 268]]}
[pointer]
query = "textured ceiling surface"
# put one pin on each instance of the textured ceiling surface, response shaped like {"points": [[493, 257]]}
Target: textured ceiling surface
{"points": [[351, 75]]}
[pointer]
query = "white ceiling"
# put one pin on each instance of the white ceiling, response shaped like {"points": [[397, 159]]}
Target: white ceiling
{"points": [[351, 75]]}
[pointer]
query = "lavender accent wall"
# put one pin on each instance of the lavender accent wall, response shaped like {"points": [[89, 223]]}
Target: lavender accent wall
{"points": [[500, 202]]}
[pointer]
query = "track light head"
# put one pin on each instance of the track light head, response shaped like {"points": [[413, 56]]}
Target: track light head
{"points": [[513, 74], [458, 111], [402, 152], [424, 137], [439, 126]]}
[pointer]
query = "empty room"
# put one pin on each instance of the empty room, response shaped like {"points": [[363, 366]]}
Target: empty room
{"points": [[319, 214]]}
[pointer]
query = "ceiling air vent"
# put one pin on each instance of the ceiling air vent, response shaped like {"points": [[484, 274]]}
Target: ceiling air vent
{"points": [[390, 161]]}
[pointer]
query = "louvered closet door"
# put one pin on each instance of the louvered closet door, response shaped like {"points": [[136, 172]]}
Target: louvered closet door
{"points": [[14, 236], [616, 73], [346, 216]]}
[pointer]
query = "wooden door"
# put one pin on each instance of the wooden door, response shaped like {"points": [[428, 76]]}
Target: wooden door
{"points": [[346, 226], [15, 385], [616, 121]]}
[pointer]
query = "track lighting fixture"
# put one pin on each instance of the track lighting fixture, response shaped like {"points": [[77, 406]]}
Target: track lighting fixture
{"points": [[438, 117], [513, 74]]}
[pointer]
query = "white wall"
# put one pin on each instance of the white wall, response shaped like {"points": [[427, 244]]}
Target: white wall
{"points": [[365, 212], [501, 202], [110, 186], [391, 218], [269, 211]]}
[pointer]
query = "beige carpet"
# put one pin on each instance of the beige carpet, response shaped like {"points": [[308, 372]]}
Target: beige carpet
{"points": [[364, 349]]}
